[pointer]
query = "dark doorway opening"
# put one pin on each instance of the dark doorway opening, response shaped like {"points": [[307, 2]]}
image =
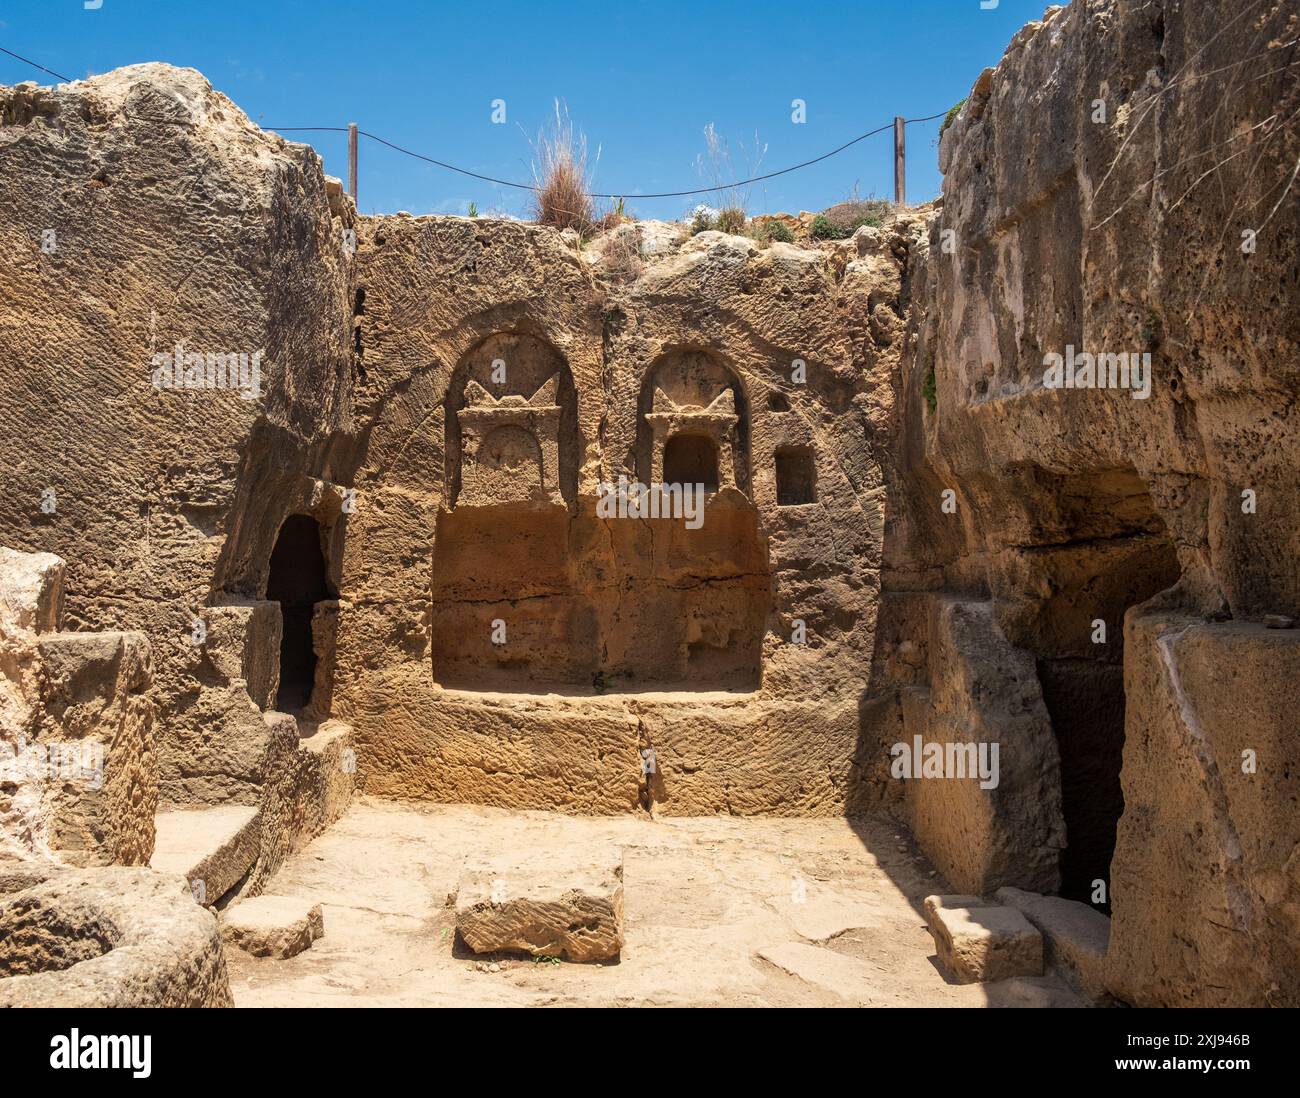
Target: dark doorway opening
{"points": [[297, 582], [1112, 552], [691, 459], [1085, 699]]}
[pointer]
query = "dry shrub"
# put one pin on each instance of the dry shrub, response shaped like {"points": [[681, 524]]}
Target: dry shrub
{"points": [[612, 218], [855, 211], [623, 261], [731, 219], [560, 173]]}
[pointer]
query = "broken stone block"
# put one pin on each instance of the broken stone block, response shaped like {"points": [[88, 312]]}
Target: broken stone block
{"points": [[212, 848], [309, 781], [94, 754], [561, 904], [78, 766], [243, 643], [983, 690], [31, 590], [1075, 937], [273, 926], [110, 937], [935, 904], [978, 944]]}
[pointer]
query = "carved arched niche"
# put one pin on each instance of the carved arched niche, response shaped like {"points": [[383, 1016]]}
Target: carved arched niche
{"points": [[692, 411], [512, 425]]}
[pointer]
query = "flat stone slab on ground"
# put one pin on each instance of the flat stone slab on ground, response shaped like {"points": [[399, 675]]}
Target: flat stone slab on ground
{"points": [[852, 980], [978, 944], [565, 903], [822, 913], [273, 926]]}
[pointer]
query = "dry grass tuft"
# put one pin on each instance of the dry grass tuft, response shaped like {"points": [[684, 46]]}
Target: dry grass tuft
{"points": [[731, 219], [623, 262], [717, 166]]}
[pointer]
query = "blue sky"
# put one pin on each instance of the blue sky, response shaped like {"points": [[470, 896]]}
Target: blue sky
{"points": [[640, 80]]}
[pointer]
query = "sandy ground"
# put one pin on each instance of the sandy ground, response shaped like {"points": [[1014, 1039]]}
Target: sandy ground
{"points": [[712, 917]]}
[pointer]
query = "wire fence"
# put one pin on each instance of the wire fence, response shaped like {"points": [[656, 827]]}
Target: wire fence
{"points": [[599, 194], [354, 132]]}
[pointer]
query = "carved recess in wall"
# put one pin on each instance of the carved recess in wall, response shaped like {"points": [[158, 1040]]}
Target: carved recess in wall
{"points": [[693, 422], [510, 446], [511, 422], [715, 426]]}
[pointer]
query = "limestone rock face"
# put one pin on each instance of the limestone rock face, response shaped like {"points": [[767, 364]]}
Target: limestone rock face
{"points": [[559, 641], [272, 926], [983, 696], [1100, 198], [1206, 890], [532, 367], [393, 555], [146, 218], [110, 937], [558, 905]]}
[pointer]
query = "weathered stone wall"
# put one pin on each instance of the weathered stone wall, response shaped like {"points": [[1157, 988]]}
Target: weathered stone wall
{"points": [[1207, 873], [1076, 574], [1119, 232], [142, 210], [620, 634], [174, 221]]}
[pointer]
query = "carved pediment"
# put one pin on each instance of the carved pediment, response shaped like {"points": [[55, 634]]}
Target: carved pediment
{"points": [[478, 397], [723, 404]]}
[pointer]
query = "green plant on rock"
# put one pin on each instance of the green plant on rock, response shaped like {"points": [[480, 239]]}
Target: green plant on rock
{"points": [[929, 391], [823, 228], [953, 112], [703, 221], [776, 230]]}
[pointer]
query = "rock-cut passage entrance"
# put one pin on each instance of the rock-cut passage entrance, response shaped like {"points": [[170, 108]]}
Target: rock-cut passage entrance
{"points": [[1120, 554], [297, 582]]}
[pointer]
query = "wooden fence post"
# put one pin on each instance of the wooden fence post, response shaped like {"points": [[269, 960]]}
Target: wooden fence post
{"points": [[352, 161], [900, 162]]}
